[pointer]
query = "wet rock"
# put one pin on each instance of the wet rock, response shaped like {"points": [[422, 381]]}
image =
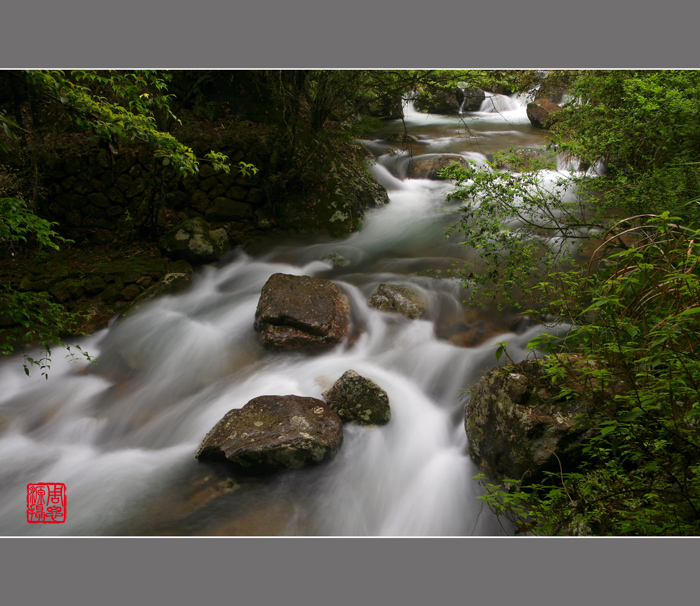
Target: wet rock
{"points": [[220, 239], [450, 101], [499, 89], [387, 106], [476, 334], [470, 99], [427, 167], [358, 399], [402, 137], [94, 318], [336, 259], [112, 293], [439, 101], [518, 424], [195, 242], [274, 432], [301, 313], [399, 299], [130, 292], [94, 285], [540, 112]]}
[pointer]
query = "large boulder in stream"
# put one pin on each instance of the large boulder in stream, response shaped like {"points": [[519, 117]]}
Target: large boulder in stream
{"points": [[301, 313], [398, 299], [541, 112], [359, 400], [470, 99], [427, 167], [274, 432], [195, 242], [438, 101], [518, 424]]}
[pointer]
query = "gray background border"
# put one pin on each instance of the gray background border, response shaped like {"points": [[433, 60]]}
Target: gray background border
{"points": [[358, 34]]}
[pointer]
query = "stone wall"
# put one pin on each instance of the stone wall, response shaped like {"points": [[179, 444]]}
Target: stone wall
{"points": [[96, 189]]}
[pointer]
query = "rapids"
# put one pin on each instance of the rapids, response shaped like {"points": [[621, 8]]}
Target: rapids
{"points": [[121, 435]]}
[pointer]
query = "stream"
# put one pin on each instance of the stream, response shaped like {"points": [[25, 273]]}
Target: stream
{"points": [[121, 435]]}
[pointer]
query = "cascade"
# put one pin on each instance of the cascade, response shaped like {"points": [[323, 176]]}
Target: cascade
{"points": [[121, 435]]}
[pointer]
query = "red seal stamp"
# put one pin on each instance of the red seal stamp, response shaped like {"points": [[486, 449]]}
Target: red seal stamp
{"points": [[46, 503]]}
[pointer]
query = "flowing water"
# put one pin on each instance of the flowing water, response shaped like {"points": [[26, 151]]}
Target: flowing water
{"points": [[121, 435]]}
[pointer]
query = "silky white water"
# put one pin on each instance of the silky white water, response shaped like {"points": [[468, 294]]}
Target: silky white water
{"points": [[122, 434]]}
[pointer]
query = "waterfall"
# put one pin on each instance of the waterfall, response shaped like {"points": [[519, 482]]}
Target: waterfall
{"points": [[121, 434], [500, 103]]}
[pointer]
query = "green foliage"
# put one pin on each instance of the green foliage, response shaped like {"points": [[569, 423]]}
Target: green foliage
{"points": [[246, 169], [133, 106], [33, 318], [429, 81], [640, 324], [114, 122], [19, 222], [644, 126], [522, 224], [29, 317], [634, 310]]}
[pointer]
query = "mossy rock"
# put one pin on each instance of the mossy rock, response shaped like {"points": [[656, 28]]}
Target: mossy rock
{"points": [[519, 425], [274, 432], [428, 166], [398, 299], [542, 113], [337, 208], [358, 399], [194, 241]]}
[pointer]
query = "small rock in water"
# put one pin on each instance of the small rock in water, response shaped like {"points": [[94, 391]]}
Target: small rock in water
{"points": [[402, 137], [358, 399], [399, 299], [274, 432], [336, 259]]}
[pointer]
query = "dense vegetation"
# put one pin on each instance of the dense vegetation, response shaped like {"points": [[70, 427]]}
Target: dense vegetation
{"points": [[633, 304], [112, 108]]}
